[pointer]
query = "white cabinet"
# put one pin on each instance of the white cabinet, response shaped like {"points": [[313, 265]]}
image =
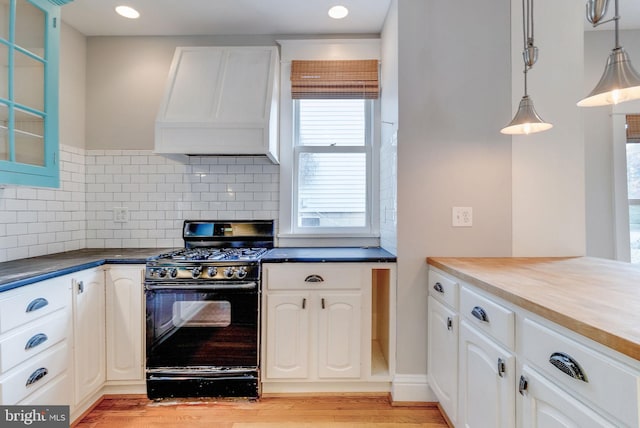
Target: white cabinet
{"points": [[220, 100], [326, 325], [313, 330], [442, 348], [125, 323], [544, 405], [88, 333], [35, 324], [487, 378]]}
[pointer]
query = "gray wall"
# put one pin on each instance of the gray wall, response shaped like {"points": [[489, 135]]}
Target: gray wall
{"points": [[454, 94]]}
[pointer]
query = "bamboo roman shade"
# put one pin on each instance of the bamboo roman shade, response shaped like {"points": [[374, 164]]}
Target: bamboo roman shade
{"points": [[353, 79], [633, 127]]}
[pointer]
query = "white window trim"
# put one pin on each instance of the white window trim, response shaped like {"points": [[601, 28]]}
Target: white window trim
{"points": [[317, 50]]}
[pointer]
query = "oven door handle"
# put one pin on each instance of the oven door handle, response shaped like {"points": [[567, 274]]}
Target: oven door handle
{"points": [[215, 286]]}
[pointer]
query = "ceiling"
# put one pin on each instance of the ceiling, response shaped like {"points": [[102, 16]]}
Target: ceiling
{"points": [[251, 17], [224, 17]]}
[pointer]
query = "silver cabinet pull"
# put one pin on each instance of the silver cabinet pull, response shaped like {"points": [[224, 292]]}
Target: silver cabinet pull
{"points": [[314, 278], [304, 303], [501, 367], [567, 365], [35, 340], [37, 375], [80, 287], [480, 313], [523, 385], [438, 287], [36, 304], [449, 323]]}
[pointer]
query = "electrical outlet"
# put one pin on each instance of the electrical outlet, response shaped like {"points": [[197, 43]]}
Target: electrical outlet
{"points": [[120, 214], [462, 217]]}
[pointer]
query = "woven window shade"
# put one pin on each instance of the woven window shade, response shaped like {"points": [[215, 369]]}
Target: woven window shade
{"points": [[353, 79], [633, 127]]}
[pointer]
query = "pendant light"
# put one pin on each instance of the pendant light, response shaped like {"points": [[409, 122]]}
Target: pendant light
{"points": [[527, 120], [619, 82]]}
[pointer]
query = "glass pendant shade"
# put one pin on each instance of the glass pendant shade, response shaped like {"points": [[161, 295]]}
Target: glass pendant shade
{"points": [[526, 120], [620, 82]]}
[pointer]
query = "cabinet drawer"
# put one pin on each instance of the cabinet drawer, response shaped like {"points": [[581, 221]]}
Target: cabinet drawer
{"points": [[607, 383], [488, 316], [29, 377], [33, 339], [311, 276], [443, 288], [32, 302], [55, 393]]}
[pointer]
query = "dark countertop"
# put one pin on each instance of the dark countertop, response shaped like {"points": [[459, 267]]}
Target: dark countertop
{"points": [[16, 273], [332, 254]]}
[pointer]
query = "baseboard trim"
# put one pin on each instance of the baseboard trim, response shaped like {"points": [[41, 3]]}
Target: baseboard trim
{"points": [[411, 388]]}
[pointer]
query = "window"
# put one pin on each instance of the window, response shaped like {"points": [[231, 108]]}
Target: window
{"points": [[332, 165], [332, 141], [633, 183]]}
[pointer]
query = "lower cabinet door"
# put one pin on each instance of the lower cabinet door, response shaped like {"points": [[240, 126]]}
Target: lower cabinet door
{"points": [[544, 405], [125, 323], [339, 337], [442, 368], [487, 381], [89, 333], [287, 336]]}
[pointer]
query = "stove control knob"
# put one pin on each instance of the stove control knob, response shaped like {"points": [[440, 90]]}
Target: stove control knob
{"points": [[228, 272], [162, 272], [212, 271], [196, 272], [241, 273], [173, 273]]}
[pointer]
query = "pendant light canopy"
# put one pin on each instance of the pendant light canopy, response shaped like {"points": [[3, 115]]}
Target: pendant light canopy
{"points": [[619, 82], [527, 120]]}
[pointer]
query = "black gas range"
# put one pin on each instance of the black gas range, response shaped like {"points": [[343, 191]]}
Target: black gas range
{"points": [[202, 309]]}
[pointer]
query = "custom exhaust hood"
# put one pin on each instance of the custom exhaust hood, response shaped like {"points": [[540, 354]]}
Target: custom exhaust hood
{"points": [[220, 101]]}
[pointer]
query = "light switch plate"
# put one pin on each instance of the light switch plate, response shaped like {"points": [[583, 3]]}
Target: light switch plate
{"points": [[462, 216]]}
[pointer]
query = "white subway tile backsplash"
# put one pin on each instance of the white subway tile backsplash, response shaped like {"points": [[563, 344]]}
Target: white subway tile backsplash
{"points": [[160, 192]]}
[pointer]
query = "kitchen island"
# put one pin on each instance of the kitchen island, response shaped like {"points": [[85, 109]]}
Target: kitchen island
{"points": [[596, 298], [535, 342]]}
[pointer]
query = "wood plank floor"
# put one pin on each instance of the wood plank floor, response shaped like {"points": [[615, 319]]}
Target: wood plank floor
{"points": [[269, 412]]}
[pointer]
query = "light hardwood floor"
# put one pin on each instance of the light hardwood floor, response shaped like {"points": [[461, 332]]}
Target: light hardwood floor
{"points": [[269, 412]]}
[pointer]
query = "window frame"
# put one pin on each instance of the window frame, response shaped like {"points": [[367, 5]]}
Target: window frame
{"points": [[367, 149]]}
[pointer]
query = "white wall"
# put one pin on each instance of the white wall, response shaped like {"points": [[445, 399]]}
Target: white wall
{"points": [[548, 167], [600, 213], [454, 96], [73, 71]]}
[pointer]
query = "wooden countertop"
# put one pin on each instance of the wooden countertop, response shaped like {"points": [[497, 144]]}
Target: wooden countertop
{"points": [[597, 298]]}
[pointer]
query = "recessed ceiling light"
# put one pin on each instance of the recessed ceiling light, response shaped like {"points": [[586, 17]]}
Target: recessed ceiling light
{"points": [[127, 12], [338, 12]]}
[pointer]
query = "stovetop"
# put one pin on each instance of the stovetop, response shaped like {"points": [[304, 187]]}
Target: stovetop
{"points": [[207, 254]]}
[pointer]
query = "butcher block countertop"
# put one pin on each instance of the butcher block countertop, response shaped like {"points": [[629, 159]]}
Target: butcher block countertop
{"points": [[597, 298]]}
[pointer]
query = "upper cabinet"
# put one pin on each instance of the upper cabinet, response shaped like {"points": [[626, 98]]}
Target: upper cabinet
{"points": [[29, 55], [220, 101]]}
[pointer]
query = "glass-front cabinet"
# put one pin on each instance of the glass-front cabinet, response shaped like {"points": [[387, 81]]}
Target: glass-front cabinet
{"points": [[29, 55]]}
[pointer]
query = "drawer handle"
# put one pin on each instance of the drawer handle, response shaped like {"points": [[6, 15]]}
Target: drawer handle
{"points": [[449, 323], [36, 340], [304, 303], [523, 385], [438, 287], [480, 313], [567, 365], [80, 287], [37, 375], [322, 304], [36, 304], [314, 278]]}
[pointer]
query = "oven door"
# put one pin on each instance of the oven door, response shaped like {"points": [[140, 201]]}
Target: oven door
{"points": [[202, 326]]}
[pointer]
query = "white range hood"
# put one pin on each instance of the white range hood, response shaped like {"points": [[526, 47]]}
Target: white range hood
{"points": [[220, 101]]}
